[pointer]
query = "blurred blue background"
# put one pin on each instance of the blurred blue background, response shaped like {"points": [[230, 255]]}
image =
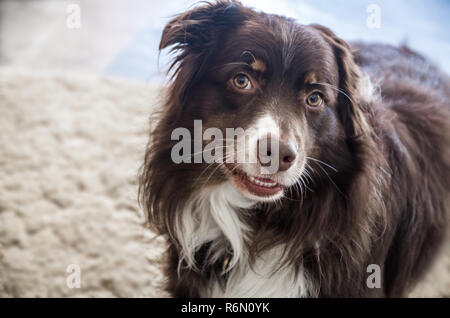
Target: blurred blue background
{"points": [[121, 37], [423, 25]]}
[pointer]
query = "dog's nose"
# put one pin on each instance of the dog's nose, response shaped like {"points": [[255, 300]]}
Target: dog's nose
{"points": [[270, 149], [288, 153]]}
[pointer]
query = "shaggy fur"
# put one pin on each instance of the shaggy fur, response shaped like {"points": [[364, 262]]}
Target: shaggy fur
{"points": [[377, 177]]}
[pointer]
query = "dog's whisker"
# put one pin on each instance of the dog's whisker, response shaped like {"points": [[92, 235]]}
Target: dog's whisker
{"points": [[336, 89], [324, 163]]}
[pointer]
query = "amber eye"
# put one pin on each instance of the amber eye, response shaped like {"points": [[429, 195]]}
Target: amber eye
{"points": [[242, 81], [314, 100]]}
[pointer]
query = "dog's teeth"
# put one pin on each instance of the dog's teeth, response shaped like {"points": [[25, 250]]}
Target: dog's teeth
{"points": [[261, 183]]}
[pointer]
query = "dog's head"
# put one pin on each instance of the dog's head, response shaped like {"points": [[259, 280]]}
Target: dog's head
{"points": [[289, 91]]}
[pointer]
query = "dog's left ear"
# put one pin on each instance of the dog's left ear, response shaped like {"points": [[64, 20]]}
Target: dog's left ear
{"points": [[350, 80]]}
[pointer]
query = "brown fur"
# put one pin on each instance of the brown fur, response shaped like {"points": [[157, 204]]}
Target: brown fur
{"points": [[385, 204]]}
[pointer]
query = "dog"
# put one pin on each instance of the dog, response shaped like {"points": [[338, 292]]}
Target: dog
{"points": [[357, 204]]}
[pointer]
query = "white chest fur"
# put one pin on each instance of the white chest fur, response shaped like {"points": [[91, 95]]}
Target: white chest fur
{"points": [[212, 216], [264, 279]]}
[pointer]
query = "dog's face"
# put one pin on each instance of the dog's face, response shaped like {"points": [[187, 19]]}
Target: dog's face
{"points": [[290, 87]]}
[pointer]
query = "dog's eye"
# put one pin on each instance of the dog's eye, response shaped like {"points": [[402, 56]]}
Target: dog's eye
{"points": [[314, 100], [242, 81]]}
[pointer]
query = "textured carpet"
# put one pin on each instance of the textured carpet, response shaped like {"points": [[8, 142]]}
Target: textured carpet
{"points": [[70, 150]]}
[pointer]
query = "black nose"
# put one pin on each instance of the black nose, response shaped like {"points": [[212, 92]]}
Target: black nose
{"points": [[276, 153]]}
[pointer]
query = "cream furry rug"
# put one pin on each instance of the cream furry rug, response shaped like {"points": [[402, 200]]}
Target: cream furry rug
{"points": [[70, 149]]}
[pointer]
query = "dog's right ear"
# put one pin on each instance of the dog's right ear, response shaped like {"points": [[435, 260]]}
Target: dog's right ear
{"points": [[194, 37], [200, 27]]}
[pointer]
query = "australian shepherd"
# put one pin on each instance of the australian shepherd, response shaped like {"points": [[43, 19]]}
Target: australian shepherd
{"points": [[343, 188]]}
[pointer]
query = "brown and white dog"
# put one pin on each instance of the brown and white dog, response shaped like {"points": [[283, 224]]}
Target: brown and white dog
{"points": [[363, 173]]}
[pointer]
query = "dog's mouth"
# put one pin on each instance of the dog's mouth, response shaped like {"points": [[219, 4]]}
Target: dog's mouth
{"points": [[263, 188]]}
